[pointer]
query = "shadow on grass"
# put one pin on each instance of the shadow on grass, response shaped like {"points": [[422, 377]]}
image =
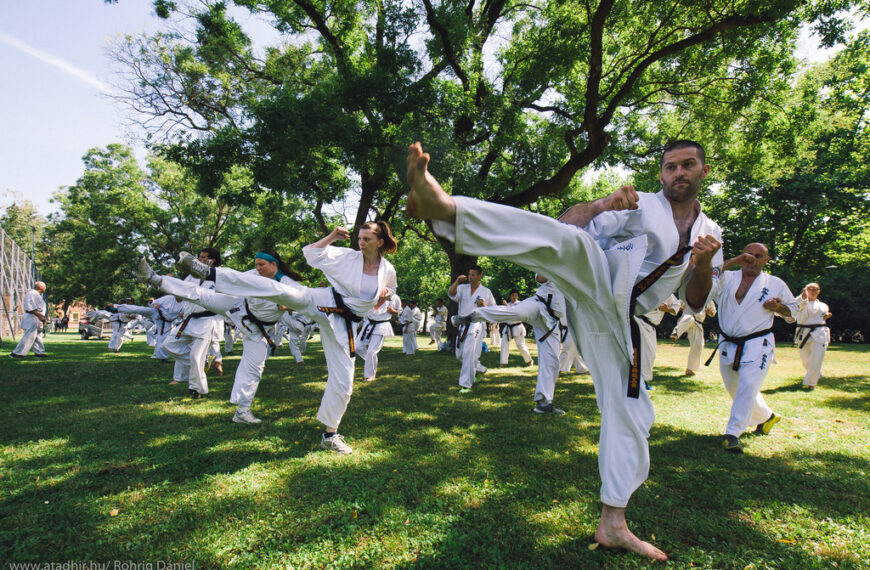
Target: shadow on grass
{"points": [[453, 481]]}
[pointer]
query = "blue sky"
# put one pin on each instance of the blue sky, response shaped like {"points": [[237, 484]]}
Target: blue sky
{"points": [[56, 74]]}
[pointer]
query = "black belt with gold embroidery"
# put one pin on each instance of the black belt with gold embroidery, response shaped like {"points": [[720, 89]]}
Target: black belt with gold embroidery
{"points": [[643, 285], [345, 313], [740, 341]]}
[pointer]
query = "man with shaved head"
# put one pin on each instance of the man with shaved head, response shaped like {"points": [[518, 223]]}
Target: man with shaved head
{"points": [[748, 301], [32, 323]]}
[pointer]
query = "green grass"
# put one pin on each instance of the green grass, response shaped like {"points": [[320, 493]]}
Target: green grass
{"points": [[436, 480]]}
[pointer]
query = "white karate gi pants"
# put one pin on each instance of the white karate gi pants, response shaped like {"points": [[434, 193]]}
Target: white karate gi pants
{"points": [[368, 350], [30, 338], [151, 336], [812, 356], [118, 331], [744, 386], [189, 353], [333, 332], [519, 336], [255, 348], [409, 339], [468, 352], [435, 332], [160, 339], [570, 357], [295, 342], [580, 269], [548, 350], [695, 334]]}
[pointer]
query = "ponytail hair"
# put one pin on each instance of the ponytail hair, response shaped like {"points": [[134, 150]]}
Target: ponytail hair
{"points": [[282, 267], [382, 230]]}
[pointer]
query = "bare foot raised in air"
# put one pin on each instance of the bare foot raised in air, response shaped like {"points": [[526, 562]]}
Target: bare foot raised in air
{"points": [[613, 532], [427, 200]]}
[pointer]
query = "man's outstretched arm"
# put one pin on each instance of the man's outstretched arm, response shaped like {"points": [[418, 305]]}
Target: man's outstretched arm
{"points": [[581, 214]]}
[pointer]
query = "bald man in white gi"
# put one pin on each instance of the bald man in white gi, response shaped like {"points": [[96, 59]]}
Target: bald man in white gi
{"points": [[32, 323], [692, 323], [544, 311], [748, 301], [811, 335], [629, 253], [516, 331], [469, 339], [649, 341]]}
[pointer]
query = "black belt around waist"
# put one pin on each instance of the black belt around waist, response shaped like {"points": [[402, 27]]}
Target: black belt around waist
{"points": [[810, 328], [345, 313], [547, 303], [261, 325], [368, 329], [636, 291], [740, 341], [186, 320], [646, 320], [510, 327]]}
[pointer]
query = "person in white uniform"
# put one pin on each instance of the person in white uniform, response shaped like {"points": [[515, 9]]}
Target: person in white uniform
{"points": [[627, 256], [358, 279], [32, 323], [253, 317], [296, 328], [544, 312], [120, 320], [376, 327], [647, 324], [748, 301], [439, 322], [189, 341], [570, 356], [516, 331], [469, 336], [692, 324], [161, 312], [410, 320], [811, 335]]}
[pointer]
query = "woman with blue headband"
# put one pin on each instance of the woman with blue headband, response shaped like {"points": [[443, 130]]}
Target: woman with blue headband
{"points": [[358, 279], [252, 316]]}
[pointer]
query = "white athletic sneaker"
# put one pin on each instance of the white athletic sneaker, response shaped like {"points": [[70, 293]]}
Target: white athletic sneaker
{"points": [[335, 443], [187, 262], [144, 273], [542, 407], [246, 417]]}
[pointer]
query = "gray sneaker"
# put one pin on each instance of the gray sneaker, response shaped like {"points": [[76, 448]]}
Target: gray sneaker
{"points": [[542, 408], [335, 443], [187, 262], [246, 417], [144, 273]]}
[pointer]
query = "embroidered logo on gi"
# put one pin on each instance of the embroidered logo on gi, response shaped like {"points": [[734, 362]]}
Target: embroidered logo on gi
{"points": [[715, 273], [764, 342], [764, 293], [763, 361], [235, 309], [626, 247]]}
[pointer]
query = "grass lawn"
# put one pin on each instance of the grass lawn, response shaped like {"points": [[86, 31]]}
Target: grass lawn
{"points": [[101, 460]]}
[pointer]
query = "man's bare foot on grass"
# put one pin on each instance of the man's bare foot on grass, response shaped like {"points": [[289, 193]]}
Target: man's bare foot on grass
{"points": [[612, 532], [689, 372], [426, 200]]}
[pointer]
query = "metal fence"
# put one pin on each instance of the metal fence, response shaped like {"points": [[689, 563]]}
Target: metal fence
{"points": [[17, 276]]}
